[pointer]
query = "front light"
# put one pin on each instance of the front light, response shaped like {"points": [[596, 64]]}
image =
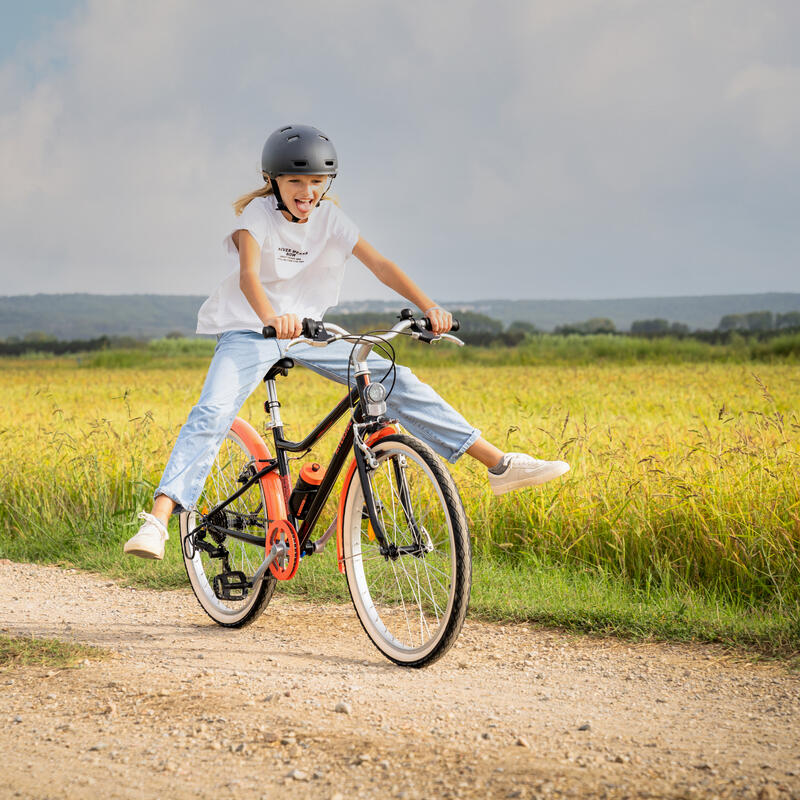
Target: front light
{"points": [[375, 395], [375, 392]]}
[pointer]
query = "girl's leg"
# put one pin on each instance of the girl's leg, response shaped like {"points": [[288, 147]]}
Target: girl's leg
{"points": [[163, 506], [241, 358], [428, 417], [486, 453], [418, 407]]}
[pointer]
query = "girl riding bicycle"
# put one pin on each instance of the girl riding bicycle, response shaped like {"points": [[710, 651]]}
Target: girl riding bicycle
{"points": [[287, 255]]}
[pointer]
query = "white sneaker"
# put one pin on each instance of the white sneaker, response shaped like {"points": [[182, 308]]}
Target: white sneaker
{"points": [[523, 470], [149, 541]]}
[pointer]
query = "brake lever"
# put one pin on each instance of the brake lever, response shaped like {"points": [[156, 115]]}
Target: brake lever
{"points": [[452, 338], [314, 342]]}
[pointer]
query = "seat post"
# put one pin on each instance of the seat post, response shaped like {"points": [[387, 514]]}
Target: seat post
{"points": [[272, 406]]}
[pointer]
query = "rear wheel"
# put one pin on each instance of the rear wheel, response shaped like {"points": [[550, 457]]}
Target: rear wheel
{"points": [[208, 553], [411, 595]]}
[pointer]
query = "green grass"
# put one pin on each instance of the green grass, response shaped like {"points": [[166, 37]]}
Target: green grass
{"points": [[16, 651]]}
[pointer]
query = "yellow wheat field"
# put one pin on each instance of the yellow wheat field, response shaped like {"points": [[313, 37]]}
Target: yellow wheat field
{"points": [[679, 472]]}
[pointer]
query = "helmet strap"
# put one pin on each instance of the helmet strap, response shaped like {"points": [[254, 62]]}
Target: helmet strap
{"points": [[327, 189], [281, 205]]}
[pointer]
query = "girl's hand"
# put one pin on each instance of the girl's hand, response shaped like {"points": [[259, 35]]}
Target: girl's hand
{"points": [[287, 326], [441, 320]]}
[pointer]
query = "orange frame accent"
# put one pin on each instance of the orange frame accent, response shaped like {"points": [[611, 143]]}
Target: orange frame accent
{"points": [[271, 482], [375, 437]]}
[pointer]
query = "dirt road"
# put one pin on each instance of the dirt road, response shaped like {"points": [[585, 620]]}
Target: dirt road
{"points": [[187, 709]]}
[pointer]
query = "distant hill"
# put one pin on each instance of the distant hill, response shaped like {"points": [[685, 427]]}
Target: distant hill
{"points": [[702, 312], [86, 316]]}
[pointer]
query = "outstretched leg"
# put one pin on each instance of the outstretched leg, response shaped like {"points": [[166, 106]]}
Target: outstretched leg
{"points": [[240, 360], [430, 418]]}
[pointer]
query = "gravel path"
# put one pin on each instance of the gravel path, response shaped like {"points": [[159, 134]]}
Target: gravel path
{"points": [[188, 709]]}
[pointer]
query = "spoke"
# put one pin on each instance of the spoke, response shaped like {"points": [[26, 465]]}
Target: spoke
{"points": [[421, 590], [437, 569], [402, 600], [435, 606], [417, 598]]}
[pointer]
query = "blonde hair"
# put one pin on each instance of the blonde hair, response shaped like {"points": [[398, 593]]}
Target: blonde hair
{"points": [[265, 191]]}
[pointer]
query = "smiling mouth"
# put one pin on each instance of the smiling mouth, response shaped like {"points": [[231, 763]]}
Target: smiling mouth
{"points": [[303, 205]]}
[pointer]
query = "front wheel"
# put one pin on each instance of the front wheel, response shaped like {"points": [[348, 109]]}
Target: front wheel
{"points": [[410, 594]]}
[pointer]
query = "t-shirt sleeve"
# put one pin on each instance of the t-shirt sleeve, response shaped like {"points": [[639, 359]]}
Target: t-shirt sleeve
{"points": [[254, 220], [344, 229]]}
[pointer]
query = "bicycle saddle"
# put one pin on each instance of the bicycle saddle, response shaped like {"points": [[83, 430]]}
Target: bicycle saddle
{"points": [[280, 367]]}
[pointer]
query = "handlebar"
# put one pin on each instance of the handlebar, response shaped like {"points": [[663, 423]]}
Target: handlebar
{"points": [[317, 331]]}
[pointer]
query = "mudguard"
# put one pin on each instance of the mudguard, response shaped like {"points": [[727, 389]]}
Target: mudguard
{"points": [[271, 482], [375, 437]]}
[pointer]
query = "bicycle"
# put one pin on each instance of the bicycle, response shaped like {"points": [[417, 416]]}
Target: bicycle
{"points": [[402, 537]]}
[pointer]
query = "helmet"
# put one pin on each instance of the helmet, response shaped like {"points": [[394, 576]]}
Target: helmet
{"points": [[299, 150]]}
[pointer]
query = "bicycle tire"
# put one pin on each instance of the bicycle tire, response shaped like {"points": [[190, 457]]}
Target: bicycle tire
{"points": [[435, 580], [233, 459]]}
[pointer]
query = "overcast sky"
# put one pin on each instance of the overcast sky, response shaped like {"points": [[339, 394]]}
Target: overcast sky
{"points": [[527, 149]]}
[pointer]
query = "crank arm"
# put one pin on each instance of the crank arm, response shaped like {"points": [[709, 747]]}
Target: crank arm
{"points": [[278, 549]]}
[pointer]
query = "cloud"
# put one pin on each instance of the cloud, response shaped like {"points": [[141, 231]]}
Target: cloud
{"points": [[525, 149]]}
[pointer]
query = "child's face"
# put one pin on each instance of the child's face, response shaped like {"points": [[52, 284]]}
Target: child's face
{"points": [[301, 193]]}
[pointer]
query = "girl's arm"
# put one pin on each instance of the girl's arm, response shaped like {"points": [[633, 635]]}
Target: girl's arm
{"points": [[287, 326], [388, 273]]}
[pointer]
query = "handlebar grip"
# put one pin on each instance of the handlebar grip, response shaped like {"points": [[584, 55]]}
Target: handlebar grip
{"points": [[456, 324], [269, 332]]}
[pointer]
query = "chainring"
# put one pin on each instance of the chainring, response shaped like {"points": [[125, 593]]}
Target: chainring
{"points": [[282, 530]]}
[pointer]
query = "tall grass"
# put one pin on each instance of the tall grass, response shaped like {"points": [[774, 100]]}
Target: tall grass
{"points": [[684, 477]]}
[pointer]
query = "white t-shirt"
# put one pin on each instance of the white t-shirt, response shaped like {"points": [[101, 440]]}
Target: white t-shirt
{"points": [[302, 266]]}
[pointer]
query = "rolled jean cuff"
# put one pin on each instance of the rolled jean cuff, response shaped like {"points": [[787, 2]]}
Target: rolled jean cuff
{"points": [[471, 439], [178, 505]]}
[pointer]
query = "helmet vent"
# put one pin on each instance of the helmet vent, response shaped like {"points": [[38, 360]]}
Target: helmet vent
{"points": [[324, 138], [287, 128], [293, 138], [300, 163], [329, 163]]}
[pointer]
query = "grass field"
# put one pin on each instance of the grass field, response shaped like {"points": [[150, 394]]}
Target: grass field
{"points": [[680, 517], [28, 651]]}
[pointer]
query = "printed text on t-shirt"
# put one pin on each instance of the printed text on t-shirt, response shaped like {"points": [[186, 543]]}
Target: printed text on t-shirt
{"points": [[288, 254]]}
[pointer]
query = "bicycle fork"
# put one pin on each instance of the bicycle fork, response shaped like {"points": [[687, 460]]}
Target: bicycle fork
{"points": [[390, 549]]}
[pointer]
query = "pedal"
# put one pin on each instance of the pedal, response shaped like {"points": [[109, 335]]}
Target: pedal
{"points": [[231, 585]]}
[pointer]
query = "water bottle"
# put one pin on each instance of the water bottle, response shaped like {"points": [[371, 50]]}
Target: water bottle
{"points": [[305, 490]]}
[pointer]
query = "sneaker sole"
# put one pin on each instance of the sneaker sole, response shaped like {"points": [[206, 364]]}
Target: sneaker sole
{"points": [[133, 551], [523, 482]]}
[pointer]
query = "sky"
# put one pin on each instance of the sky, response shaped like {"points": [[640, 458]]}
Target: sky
{"points": [[504, 149]]}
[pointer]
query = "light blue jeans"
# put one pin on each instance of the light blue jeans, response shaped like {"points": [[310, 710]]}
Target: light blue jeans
{"points": [[242, 358]]}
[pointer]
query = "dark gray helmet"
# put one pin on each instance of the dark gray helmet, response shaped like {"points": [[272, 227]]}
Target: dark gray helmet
{"points": [[299, 150]]}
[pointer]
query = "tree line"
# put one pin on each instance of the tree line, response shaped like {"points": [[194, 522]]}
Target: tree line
{"points": [[476, 329]]}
